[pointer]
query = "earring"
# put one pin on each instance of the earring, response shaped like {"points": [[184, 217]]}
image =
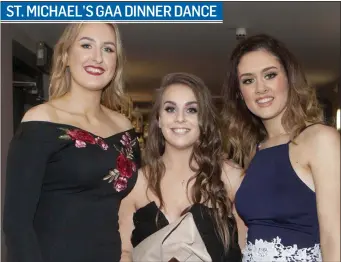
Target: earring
{"points": [[240, 96]]}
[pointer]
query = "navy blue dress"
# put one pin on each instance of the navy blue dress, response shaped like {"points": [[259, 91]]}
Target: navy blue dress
{"points": [[279, 210], [64, 187]]}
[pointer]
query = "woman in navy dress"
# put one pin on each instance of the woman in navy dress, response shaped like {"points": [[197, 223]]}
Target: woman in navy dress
{"points": [[73, 158], [289, 199]]}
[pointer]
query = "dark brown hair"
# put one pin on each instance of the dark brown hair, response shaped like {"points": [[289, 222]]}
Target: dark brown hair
{"points": [[207, 153], [243, 129]]}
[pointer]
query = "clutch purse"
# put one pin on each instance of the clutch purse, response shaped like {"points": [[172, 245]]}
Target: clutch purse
{"points": [[179, 241]]}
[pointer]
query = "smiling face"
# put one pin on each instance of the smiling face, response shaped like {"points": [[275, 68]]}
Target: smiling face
{"points": [[92, 57], [263, 84], [178, 117]]}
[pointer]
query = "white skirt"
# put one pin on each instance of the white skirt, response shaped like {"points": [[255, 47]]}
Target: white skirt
{"points": [[264, 251]]}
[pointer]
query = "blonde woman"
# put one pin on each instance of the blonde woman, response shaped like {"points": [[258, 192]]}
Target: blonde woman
{"points": [[73, 158], [290, 196]]}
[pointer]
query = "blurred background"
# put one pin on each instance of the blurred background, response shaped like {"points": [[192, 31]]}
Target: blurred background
{"points": [[311, 30]]}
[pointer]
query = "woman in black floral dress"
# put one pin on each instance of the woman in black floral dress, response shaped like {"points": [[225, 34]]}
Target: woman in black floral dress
{"points": [[73, 158]]}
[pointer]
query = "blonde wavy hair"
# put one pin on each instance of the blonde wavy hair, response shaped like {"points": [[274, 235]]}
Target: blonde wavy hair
{"points": [[243, 129], [112, 95]]}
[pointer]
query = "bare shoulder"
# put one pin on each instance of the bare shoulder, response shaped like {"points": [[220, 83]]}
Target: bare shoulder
{"points": [[321, 136], [232, 176], [143, 183], [232, 169], [43, 112], [119, 119], [140, 186]]}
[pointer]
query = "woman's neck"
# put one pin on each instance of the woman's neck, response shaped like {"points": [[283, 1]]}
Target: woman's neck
{"points": [[175, 159], [84, 103], [274, 127]]}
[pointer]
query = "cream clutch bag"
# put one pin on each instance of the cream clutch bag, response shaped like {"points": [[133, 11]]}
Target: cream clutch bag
{"points": [[179, 241]]}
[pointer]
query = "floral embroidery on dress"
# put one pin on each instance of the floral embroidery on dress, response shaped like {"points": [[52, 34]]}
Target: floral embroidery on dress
{"points": [[124, 165], [82, 138], [275, 251], [100, 141]]}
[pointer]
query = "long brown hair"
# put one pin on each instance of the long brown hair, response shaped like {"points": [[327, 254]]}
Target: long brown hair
{"points": [[243, 129], [112, 95], [207, 153]]}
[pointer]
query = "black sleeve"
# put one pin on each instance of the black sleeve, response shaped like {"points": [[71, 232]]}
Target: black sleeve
{"points": [[26, 164]]}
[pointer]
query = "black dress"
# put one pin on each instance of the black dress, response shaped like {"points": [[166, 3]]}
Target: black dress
{"points": [[63, 191], [145, 225]]}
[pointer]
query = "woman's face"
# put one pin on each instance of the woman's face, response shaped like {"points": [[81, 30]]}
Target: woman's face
{"points": [[263, 84], [178, 117], [92, 57]]}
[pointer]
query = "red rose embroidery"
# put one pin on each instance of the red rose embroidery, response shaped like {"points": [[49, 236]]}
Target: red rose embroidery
{"points": [[101, 143], [81, 135], [120, 183], [80, 144], [82, 138], [126, 141], [124, 164]]}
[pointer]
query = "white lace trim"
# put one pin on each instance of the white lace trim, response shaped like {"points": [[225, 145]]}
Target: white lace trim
{"points": [[274, 251]]}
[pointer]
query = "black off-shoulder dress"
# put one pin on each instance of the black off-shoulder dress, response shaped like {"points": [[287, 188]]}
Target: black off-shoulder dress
{"points": [[63, 191]]}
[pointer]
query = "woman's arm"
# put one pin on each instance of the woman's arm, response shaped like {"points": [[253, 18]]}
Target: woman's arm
{"points": [[27, 158], [324, 161], [232, 177], [242, 229], [126, 224], [126, 212]]}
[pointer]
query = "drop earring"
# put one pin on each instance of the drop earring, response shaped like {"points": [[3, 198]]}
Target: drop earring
{"points": [[240, 96]]}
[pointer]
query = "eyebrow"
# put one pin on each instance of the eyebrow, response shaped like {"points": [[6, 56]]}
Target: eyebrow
{"points": [[186, 104], [92, 40], [264, 70]]}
